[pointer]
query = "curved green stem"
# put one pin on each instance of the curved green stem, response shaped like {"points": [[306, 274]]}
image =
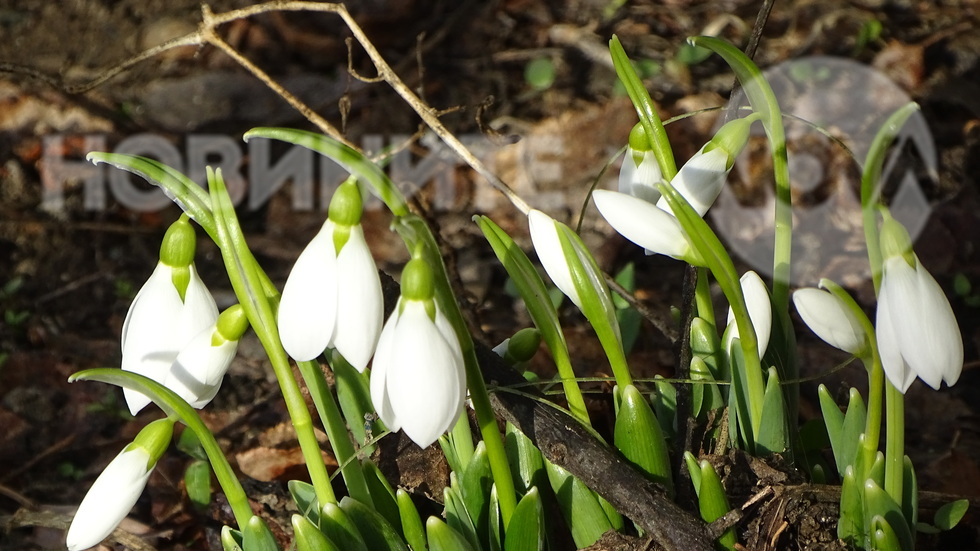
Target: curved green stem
{"points": [[175, 407], [248, 285]]}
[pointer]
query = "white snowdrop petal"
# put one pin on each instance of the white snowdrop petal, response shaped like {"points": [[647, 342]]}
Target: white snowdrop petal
{"points": [[150, 333], [700, 180], [360, 308], [829, 319], [384, 356], [197, 372], [425, 390], [307, 308], [109, 499], [544, 236], [897, 371], [760, 312], [643, 223], [199, 311]]}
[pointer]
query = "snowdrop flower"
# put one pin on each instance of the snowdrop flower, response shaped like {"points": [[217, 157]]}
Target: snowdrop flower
{"points": [[831, 319], [640, 172], [551, 254], [332, 297], [116, 490], [700, 181], [917, 332], [418, 382], [171, 309], [197, 372], [760, 312], [646, 225]]}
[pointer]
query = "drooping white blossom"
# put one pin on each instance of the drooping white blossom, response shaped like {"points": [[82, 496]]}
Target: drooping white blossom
{"points": [[332, 297], [171, 308], [831, 319], [760, 312], [199, 369], [118, 488], [418, 381], [915, 326]]}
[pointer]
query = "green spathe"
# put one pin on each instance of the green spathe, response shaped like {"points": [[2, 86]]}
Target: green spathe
{"points": [[154, 439]]}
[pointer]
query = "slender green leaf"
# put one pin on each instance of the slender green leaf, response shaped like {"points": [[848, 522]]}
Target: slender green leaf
{"points": [[579, 505], [713, 503], [878, 503], [540, 306], [772, 437], [850, 525], [412, 527], [910, 494], [665, 405], [596, 300], [638, 436], [525, 460], [526, 529], [231, 540], [257, 537], [382, 494], [885, 538], [694, 470], [304, 496], [442, 537], [308, 537], [475, 483], [378, 533], [351, 160], [833, 418], [457, 516], [189, 196], [645, 108], [854, 424], [340, 529], [354, 396]]}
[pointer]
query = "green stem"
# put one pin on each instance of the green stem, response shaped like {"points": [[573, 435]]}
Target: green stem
{"points": [[894, 442], [702, 297], [248, 285], [462, 439], [333, 423], [176, 408]]}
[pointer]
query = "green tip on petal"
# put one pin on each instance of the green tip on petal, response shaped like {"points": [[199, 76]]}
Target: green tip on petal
{"points": [[732, 137], [179, 244], [417, 280], [639, 141], [231, 325], [346, 206], [895, 240], [155, 439]]}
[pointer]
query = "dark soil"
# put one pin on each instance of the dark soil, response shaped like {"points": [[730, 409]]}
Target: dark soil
{"points": [[68, 272]]}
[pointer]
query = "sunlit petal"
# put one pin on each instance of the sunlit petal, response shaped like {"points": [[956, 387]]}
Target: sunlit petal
{"points": [[643, 223], [831, 320], [700, 179], [544, 236], [360, 310], [109, 499], [307, 309]]}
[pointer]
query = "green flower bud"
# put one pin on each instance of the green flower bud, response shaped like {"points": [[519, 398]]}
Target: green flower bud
{"points": [[417, 280], [895, 240], [179, 244], [639, 142], [155, 439], [231, 325], [346, 205], [732, 137], [523, 345]]}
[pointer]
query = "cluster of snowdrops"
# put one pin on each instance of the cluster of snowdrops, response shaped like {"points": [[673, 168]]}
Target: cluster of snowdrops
{"points": [[416, 370]]}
